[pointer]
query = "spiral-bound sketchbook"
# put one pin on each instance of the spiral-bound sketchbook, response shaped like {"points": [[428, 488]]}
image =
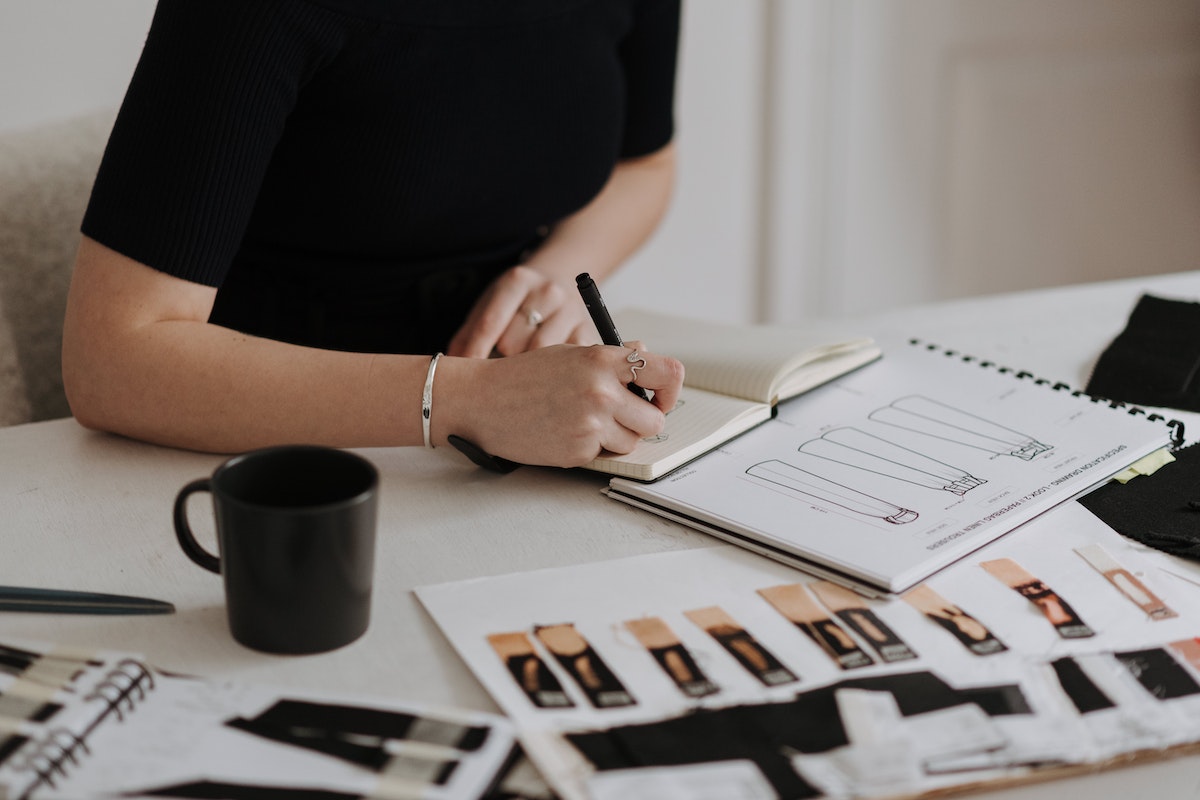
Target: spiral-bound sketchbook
{"points": [[89, 725], [882, 477]]}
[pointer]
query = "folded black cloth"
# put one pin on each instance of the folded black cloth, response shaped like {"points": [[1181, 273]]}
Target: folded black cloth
{"points": [[1161, 510], [1155, 361]]}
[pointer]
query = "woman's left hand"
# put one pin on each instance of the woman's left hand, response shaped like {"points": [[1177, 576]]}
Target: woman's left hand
{"points": [[523, 310]]}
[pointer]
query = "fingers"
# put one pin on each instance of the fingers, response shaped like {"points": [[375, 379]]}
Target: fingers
{"points": [[584, 332], [623, 437], [580, 393], [486, 322], [634, 418], [540, 319], [522, 310], [660, 374]]}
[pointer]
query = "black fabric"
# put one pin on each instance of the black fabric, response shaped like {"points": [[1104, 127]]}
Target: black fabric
{"points": [[769, 733], [324, 162], [353, 733], [366, 309], [1161, 510], [1155, 360], [1159, 673], [1085, 695]]}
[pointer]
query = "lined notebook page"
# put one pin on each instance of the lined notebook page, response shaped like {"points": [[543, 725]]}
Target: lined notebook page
{"points": [[701, 421], [746, 361]]}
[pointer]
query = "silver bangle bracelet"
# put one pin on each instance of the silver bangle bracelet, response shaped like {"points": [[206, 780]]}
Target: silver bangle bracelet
{"points": [[427, 400]]}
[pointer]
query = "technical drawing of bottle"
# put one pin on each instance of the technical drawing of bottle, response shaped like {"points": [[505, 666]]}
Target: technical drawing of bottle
{"points": [[865, 451], [779, 473], [931, 418]]}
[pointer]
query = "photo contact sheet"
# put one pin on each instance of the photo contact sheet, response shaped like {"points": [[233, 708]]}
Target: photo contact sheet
{"points": [[721, 664]]}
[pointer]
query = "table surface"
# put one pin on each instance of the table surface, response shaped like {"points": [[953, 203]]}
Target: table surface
{"points": [[85, 510]]}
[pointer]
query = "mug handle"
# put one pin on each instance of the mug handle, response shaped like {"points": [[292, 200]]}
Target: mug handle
{"points": [[183, 531]]}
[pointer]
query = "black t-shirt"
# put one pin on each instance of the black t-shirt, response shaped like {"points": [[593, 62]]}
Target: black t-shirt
{"points": [[352, 173]]}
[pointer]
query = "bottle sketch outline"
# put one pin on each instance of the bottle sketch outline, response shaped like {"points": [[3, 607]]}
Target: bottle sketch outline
{"points": [[938, 420], [870, 453], [803, 482]]}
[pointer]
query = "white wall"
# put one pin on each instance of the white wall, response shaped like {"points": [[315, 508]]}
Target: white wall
{"points": [[59, 58], [704, 260], [845, 155], [931, 149]]}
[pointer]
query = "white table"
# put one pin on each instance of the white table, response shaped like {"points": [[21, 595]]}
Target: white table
{"points": [[90, 511]]}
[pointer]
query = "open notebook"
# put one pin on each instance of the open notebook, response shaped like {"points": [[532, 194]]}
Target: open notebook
{"points": [[735, 376]]}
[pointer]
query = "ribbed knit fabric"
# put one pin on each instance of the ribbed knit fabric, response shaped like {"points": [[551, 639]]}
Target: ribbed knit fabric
{"points": [[1155, 361], [352, 173]]}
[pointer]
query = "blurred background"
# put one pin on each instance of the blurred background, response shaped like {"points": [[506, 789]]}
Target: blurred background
{"points": [[841, 156]]}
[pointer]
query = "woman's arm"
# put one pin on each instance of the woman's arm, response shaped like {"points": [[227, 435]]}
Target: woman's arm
{"points": [[596, 239], [140, 359]]}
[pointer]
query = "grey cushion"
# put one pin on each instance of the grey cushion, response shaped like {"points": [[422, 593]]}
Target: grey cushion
{"points": [[46, 174]]}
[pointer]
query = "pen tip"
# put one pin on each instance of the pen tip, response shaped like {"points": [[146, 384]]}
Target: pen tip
{"points": [[582, 279]]}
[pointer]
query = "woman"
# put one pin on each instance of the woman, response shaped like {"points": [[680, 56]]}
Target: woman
{"points": [[303, 200]]}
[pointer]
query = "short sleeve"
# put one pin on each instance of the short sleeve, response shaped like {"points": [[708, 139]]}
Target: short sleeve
{"points": [[195, 133], [649, 55]]}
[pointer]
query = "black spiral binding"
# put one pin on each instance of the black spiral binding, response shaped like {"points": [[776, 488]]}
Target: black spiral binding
{"points": [[51, 758], [1175, 425]]}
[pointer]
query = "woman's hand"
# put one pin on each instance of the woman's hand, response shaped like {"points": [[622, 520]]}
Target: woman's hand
{"points": [[523, 310], [536, 304], [557, 406]]}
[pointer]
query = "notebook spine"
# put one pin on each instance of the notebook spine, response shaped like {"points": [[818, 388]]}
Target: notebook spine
{"points": [[122, 688], [1176, 426], [52, 757]]}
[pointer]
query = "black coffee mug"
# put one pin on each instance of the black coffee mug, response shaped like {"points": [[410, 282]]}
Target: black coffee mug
{"points": [[296, 535]]}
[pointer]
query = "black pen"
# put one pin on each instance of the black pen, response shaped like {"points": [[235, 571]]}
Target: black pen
{"points": [[67, 601], [604, 324]]}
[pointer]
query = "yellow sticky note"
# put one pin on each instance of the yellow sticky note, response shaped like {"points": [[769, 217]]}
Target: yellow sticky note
{"points": [[1146, 465]]}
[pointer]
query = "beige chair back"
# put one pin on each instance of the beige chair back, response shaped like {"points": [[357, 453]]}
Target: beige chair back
{"points": [[46, 174]]}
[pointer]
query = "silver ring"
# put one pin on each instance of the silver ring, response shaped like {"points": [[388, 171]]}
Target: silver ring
{"points": [[535, 317], [636, 362]]}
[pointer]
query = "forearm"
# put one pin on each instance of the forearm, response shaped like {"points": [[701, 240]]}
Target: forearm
{"points": [[599, 237], [140, 359], [202, 387], [198, 386]]}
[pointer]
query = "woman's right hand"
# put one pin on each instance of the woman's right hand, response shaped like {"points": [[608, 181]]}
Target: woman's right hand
{"points": [[556, 406]]}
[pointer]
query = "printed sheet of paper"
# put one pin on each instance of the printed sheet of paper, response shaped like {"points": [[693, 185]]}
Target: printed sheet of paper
{"points": [[713, 643], [904, 466], [119, 727]]}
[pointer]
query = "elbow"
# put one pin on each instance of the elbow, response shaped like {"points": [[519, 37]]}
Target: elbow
{"points": [[88, 415], [93, 395], [82, 397]]}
